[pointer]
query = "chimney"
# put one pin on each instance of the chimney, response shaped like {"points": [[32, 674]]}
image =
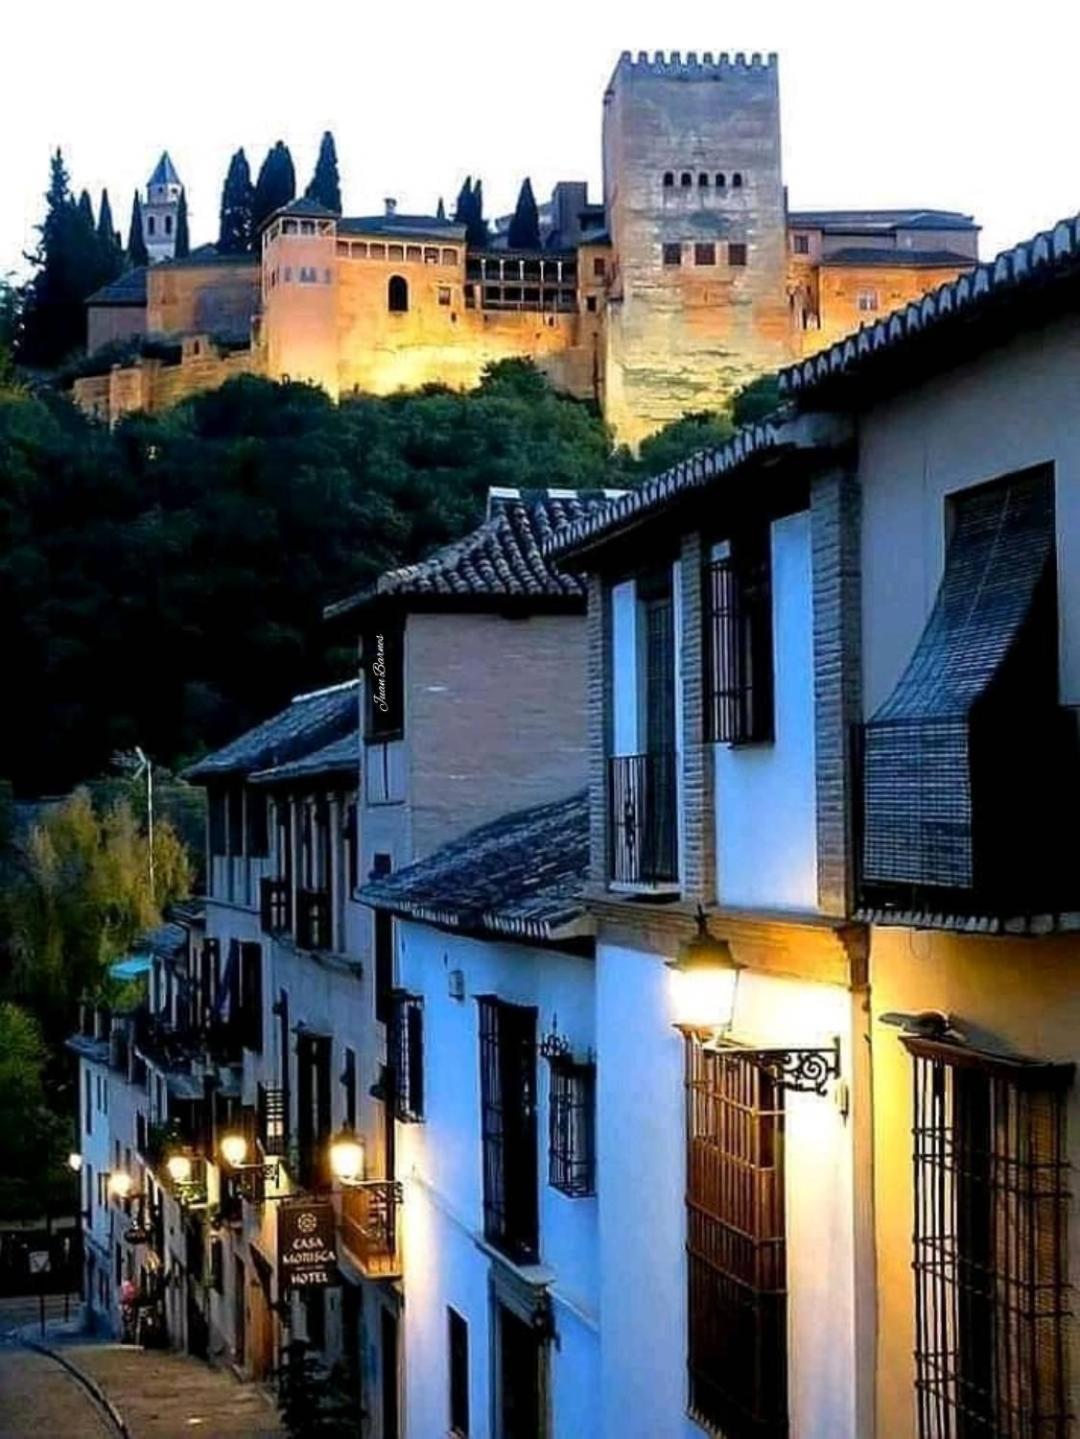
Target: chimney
{"points": [[391, 204]]}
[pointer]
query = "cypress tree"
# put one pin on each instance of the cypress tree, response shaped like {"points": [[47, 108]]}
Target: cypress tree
{"points": [[463, 204], [110, 251], [476, 234], [237, 198], [136, 245], [275, 187], [325, 184], [183, 239], [86, 209], [524, 232], [440, 210], [66, 266]]}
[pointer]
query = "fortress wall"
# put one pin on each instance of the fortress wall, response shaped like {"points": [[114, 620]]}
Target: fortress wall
{"points": [[839, 290], [204, 299]]}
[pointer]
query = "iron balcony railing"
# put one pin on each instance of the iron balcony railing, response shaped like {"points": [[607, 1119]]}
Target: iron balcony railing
{"points": [[313, 919], [643, 819], [369, 1227], [275, 905]]}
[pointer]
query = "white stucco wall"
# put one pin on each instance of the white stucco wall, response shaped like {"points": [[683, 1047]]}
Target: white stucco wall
{"points": [[1012, 408], [766, 827]]}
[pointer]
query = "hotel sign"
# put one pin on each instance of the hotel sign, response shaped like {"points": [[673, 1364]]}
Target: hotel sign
{"points": [[307, 1245]]}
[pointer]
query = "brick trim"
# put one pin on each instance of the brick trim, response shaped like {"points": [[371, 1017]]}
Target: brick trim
{"points": [[599, 705], [698, 794]]}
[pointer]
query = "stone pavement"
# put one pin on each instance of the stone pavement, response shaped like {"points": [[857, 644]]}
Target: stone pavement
{"points": [[38, 1398]]}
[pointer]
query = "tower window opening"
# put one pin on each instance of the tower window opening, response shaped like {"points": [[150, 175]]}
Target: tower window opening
{"points": [[736, 254], [721, 180], [669, 179], [149, 224], [801, 244], [168, 224], [686, 179], [673, 254], [703, 181], [736, 180], [397, 295], [705, 253]]}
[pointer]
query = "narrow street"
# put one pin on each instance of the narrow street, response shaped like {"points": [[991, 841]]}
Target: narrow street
{"points": [[38, 1397]]}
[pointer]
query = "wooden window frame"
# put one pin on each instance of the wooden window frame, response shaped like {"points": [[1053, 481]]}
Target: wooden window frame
{"points": [[738, 642]]}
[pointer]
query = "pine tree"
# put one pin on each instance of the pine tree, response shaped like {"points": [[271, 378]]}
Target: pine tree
{"points": [[524, 232], [325, 184], [183, 239], [136, 245], [110, 251], [237, 198], [67, 270], [275, 187]]}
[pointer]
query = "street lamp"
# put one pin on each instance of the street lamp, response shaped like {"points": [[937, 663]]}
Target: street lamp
{"points": [[234, 1149], [252, 1176], [178, 1167], [706, 982], [121, 1185], [347, 1157], [74, 1162]]}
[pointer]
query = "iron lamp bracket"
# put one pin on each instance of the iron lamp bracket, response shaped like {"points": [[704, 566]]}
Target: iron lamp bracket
{"points": [[801, 1069]]}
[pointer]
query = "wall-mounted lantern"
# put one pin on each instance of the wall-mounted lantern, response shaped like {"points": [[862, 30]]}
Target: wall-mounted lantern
{"points": [[250, 1176]]}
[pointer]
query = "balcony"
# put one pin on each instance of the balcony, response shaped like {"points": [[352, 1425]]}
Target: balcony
{"points": [[369, 1227], [275, 905], [643, 822], [313, 919]]}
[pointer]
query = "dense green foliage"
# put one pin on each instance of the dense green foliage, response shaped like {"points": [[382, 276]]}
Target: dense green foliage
{"points": [[162, 584], [524, 232], [136, 245], [237, 199], [34, 1138], [469, 211], [325, 186], [275, 187], [183, 234]]}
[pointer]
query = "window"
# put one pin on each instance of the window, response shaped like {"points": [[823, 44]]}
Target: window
{"points": [[414, 254], [383, 661], [256, 818], [449, 257], [235, 818], [669, 179], [736, 1246], [457, 1345], [168, 224], [88, 1093], [395, 252], [444, 295], [686, 179], [149, 224], [599, 267], [397, 295], [736, 253], [705, 254], [991, 1207], [572, 1127], [405, 1051], [590, 304], [270, 1118], [348, 1084], [703, 181], [313, 1107], [308, 275], [508, 1128], [721, 180], [738, 642], [800, 244], [673, 254], [377, 251], [431, 255], [383, 926], [736, 181], [217, 1266], [868, 300]]}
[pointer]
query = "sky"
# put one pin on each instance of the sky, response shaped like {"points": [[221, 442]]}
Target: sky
{"points": [[946, 104]]}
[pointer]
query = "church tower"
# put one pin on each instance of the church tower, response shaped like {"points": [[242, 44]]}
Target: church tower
{"points": [[161, 209], [695, 209]]}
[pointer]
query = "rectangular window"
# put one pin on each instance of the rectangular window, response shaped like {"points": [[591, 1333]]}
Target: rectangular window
{"points": [[234, 800], [868, 300], [395, 252], [800, 244], [599, 267], [572, 1127], [444, 295], [88, 1093], [705, 254], [431, 255], [405, 1051], [672, 255], [990, 1256], [348, 1084], [449, 257], [458, 1366], [383, 932], [738, 642], [384, 689], [590, 304], [414, 253], [736, 253], [256, 815], [270, 1118], [508, 1128], [217, 1266], [313, 1108], [251, 997], [736, 1246], [378, 251]]}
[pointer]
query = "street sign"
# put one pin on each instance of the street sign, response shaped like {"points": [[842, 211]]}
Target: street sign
{"points": [[307, 1245], [39, 1261]]}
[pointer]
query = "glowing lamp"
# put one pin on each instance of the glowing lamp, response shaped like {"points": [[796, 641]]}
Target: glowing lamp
{"points": [[706, 980], [234, 1148], [346, 1157], [120, 1184], [74, 1162], [179, 1168]]}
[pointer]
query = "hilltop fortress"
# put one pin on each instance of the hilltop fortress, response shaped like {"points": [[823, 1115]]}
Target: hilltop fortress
{"points": [[690, 279]]}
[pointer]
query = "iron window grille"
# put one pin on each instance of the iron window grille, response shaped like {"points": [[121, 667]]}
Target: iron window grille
{"points": [[990, 1246], [643, 818], [572, 1125], [509, 1129], [458, 1346], [736, 1245], [405, 1047], [270, 1116], [739, 644]]}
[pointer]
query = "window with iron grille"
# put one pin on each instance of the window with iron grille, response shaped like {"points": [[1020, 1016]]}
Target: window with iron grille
{"points": [[736, 1248], [405, 1048], [738, 642], [990, 1258], [508, 1128], [383, 944], [251, 996], [572, 1127], [458, 1346], [348, 1085], [270, 1117]]}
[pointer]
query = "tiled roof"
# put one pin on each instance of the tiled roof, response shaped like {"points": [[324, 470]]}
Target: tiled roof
{"points": [[204, 255], [340, 756], [401, 225], [127, 289], [166, 940], [309, 723], [164, 172], [841, 221], [521, 875], [1050, 258], [692, 473], [304, 205], [503, 558], [871, 256]]}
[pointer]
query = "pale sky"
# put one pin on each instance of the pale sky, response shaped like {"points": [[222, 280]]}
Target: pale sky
{"points": [[946, 104]]}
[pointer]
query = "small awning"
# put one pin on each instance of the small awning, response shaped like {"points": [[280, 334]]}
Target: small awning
{"points": [[131, 967]]}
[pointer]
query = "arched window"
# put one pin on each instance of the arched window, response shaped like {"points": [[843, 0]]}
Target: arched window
{"points": [[149, 224], [720, 181], [736, 181], [397, 295], [703, 180], [168, 224], [669, 179], [686, 179]]}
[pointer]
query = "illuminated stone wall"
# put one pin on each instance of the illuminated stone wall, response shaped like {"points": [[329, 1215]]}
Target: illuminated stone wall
{"points": [[185, 298]]}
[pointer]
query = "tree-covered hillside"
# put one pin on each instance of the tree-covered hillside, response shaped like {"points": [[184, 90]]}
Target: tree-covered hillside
{"points": [[163, 584]]}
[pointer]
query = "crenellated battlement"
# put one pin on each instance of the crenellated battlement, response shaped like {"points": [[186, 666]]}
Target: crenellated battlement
{"points": [[706, 65]]}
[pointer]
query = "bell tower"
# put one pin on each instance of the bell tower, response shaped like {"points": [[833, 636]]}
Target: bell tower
{"points": [[161, 210]]}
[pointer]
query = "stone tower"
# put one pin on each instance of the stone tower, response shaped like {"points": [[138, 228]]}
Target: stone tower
{"points": [[695, 208], [299, 329], [160, 210]]}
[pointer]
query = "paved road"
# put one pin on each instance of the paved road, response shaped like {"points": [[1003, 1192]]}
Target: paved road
{"points": [[39, 1398]]}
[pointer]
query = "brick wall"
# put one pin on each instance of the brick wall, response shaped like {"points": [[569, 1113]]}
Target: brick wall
{"points": [[598, 704], [699, 828]]}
